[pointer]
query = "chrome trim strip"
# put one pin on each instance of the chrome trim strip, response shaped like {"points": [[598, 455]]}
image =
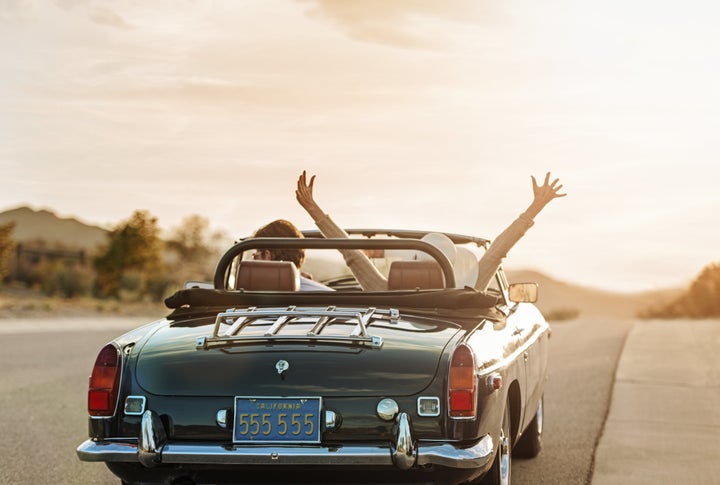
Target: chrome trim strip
{"points": [[123, 358], [444, 454], [537, 331], [276, 455]]}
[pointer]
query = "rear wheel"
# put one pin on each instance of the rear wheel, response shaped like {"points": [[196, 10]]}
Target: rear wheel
{"points": [[530, 443], [500, 472]]}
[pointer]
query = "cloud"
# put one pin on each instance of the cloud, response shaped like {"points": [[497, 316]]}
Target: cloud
{"points": [[398, 23], [97, 12], [13, 10], [105, 16]]}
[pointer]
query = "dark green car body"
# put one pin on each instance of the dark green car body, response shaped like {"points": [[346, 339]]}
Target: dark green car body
{"points": [[182, 380]]}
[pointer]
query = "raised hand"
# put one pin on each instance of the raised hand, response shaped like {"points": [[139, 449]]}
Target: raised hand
{"points": [[543, 194], [304, 195]]}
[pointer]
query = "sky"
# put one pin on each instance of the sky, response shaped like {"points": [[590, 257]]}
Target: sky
{"points": [[413, 114]]}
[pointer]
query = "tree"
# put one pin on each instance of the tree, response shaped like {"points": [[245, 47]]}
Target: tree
{"points": [[7, 244], [704, 295], [133, 252], [195, 246], [702, 300], [189, 239]]}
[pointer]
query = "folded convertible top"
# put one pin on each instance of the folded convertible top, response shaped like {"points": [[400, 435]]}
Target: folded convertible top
{"points": [[461, 300]]}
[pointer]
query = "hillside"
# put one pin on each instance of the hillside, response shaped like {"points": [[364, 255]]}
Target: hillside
{"points": [[556, 295], [35, 225]]}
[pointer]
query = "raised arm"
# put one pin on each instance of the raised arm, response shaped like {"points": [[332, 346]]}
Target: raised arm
{"points": [[493, 257], [365, 272]]}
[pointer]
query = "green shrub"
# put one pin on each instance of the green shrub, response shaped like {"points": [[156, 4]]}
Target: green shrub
{"points": [[561, 314], [156, 287], [68, 282]]}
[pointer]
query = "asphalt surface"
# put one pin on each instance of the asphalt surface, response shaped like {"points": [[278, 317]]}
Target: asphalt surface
{"points": [[44, 369], [44, 366], [664, 420], [583, 359]]}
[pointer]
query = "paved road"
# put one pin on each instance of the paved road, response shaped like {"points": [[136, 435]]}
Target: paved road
{"points": [[583, 359], [44, 370], [44, 366]]}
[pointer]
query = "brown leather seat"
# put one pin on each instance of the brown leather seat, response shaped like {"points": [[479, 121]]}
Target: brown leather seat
{"points": [[263, 275], [411, 275]]}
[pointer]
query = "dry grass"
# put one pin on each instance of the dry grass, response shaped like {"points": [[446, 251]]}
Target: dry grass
{"points": [[16, 303]]}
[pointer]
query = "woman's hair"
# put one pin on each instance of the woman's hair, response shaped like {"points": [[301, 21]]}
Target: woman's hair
{"points": [[283, 228]]}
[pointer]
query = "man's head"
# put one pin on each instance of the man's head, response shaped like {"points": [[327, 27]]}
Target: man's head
{"points": [[281, 228]]}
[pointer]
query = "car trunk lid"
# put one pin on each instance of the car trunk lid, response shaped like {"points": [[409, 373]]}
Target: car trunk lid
{"points": [[174, 360]]}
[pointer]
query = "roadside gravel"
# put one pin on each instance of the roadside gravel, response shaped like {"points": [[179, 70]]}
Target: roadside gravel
{"points": [[20, 303]]}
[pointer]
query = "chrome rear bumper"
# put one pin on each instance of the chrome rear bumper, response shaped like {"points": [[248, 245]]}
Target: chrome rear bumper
{"points": [[152, 448], [214, 454]]}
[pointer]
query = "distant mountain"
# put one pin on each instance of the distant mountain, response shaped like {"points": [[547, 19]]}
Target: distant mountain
{"points": [[555, 296], [35, 225]]}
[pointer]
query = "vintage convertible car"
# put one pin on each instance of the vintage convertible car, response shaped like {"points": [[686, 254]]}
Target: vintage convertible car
{"points": [[251, 379]]}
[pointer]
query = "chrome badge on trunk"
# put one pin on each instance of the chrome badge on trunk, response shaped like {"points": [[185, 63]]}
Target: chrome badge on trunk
{"points": [[282, 366]]}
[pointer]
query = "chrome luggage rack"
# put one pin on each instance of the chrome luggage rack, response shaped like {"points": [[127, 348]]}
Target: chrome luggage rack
{"points": [[244, 325]]}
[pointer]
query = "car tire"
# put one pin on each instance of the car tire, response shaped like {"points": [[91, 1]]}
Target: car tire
{"points": [[530, 443], [501, 470]]}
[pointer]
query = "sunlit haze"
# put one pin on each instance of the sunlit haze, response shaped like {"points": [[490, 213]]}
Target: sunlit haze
{"points": [[412, 113]]}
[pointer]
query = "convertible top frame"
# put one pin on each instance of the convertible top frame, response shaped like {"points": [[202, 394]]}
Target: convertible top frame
{"points": [[223, 266]]}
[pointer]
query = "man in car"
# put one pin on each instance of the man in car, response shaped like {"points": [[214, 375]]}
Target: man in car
{"points": [[284, 228]]}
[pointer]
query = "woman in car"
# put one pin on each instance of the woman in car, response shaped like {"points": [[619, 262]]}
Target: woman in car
{"points": [[370, 278]]}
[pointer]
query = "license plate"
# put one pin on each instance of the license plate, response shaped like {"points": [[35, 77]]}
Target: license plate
{"points": [[277, 420]]}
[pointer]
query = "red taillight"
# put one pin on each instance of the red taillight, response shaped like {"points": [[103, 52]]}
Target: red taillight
{"points": [[104, 382], [462, 384]]}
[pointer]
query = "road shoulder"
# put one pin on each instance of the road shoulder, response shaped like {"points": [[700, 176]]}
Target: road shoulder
{"points": [[664, 421]]}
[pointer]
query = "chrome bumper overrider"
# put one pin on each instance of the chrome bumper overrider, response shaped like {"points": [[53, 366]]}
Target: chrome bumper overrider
{"points": [[153, 448]]}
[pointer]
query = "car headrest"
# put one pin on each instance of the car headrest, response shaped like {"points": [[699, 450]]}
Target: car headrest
{"points": [[411, 275], [268, 276]]}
